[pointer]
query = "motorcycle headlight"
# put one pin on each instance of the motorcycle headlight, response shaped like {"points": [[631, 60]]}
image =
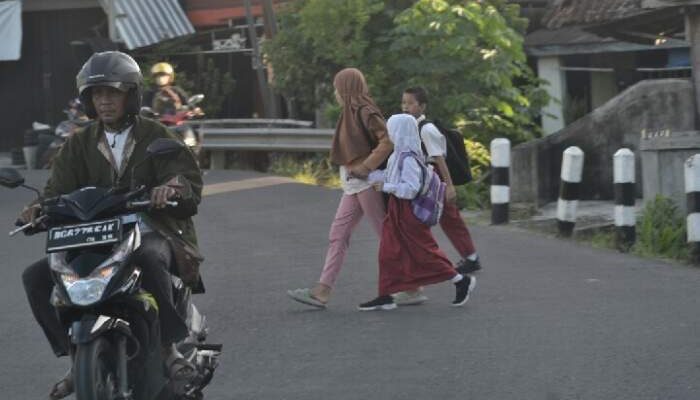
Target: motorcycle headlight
{"points": [[86, 291], [190, 141]]}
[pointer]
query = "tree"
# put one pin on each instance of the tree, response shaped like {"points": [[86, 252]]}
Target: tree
{"points": [[468, 54]]}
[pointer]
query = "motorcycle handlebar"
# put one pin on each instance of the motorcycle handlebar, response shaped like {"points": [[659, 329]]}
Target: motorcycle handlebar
{"points": [[28, 225], [147, 203]]}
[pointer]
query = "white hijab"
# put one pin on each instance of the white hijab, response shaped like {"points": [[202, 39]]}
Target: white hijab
{"points": [[403, 132]]}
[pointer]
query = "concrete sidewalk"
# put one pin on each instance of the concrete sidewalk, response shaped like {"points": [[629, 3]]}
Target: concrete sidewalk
{"points": [[592, 215]]}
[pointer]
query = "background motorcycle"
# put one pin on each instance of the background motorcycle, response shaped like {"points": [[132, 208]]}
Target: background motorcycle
{"points": [[48, 145], [178, 122], [112, 322]]}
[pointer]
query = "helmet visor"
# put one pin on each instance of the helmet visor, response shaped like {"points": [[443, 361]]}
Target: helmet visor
{"points": [[124, 87]]}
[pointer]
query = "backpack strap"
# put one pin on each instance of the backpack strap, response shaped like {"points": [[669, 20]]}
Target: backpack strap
{"points": [[421, 164], [421, 124]]}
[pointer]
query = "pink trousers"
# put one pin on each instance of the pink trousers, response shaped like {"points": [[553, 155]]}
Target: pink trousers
{"points": [[350, 210]]}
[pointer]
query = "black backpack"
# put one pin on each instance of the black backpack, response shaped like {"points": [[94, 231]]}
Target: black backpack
{"points": [[457, 158]]}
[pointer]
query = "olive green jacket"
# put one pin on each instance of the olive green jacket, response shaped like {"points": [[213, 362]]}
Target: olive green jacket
{"points": [[86, 160]]}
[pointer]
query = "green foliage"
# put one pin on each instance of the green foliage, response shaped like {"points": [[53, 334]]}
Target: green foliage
{"points": [[215, 85], [476, 194], [603, 239], [468, 54], [479, 158], [661, 230], [314, 169]]}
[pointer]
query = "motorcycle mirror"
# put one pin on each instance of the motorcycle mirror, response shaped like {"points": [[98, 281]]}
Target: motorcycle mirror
{"points": [[10, 178], [164, 146], [147, 112], [197, 98]]}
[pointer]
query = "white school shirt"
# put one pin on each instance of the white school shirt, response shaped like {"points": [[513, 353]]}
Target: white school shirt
{"points": [[407, 184], [116, 142], [434, 141], [352, 185]]}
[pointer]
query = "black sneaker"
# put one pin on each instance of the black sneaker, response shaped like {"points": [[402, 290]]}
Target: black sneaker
{"points": [[463, 289], [467, 266], [380, 303]]}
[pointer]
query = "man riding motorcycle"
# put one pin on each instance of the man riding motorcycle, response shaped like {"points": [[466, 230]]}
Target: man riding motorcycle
{"points": [[165, 97], [111, 152], [170, 104]]}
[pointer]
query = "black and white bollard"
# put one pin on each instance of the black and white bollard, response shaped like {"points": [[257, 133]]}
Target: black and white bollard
{"points": [[625, 220], [692, 194], [500, 180], [570, 190]]}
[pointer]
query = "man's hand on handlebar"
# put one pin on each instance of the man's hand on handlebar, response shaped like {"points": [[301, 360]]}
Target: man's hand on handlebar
{"points": [[160, 196], [29, 215]]}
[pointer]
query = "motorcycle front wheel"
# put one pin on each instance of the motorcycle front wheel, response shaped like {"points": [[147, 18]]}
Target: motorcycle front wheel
{"points": [[95, 371]]}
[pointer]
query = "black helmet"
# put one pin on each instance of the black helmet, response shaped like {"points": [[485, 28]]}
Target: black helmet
{"points": [[115, 69]]}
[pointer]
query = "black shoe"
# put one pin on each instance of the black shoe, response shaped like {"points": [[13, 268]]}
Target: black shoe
{"points": [[467, 266], [380, 303], [463, 289]]}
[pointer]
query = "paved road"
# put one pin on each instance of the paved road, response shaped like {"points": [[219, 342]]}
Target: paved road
{"points": [[550, 319]]}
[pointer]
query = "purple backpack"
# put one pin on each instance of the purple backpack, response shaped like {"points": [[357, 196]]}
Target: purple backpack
{"points": [[428, 204]]}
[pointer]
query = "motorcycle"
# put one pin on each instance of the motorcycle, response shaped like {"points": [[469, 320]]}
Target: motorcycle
{"points": [[92, 234], [48, 144], [178, 122]]}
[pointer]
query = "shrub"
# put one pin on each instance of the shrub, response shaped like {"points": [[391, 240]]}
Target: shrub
{"points": [[476, 194], [661, 230], [313, 169]]}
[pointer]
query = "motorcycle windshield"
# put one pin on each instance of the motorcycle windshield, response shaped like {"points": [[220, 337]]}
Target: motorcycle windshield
{"points": [[86, 203]]}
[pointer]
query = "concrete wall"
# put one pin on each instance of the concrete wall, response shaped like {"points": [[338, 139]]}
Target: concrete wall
{"points": [[646, 108], [663, 164]]}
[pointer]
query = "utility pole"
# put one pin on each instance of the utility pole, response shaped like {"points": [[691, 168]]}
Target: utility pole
{"points": [[269, 18], [270, 110], [270, 23]]}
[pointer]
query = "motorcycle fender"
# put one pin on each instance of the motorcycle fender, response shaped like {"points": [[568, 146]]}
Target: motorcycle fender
{"points": [[91, 327]]}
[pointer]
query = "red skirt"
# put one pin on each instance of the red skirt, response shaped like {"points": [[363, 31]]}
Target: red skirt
{"points": [[409, 256]]}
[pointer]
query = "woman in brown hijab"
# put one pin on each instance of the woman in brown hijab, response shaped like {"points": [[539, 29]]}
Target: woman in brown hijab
{"points": [[360, 145]]}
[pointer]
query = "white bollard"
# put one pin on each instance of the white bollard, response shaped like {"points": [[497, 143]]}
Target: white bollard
{"points": [[623, 178], [692, 195], [500, 180], [570, 190]]}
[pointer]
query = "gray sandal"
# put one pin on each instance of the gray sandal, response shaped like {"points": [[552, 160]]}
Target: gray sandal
{"points": [[304, 296]]}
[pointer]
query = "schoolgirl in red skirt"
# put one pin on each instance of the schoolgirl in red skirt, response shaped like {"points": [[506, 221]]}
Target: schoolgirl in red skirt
{"points": [[409, 256]]}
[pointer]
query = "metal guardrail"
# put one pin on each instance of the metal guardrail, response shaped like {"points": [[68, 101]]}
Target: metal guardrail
{"points": [[220, 136], [259, 122], [271, 139]]}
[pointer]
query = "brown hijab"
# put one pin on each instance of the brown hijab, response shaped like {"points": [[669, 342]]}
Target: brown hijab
{"points": [[352, 139]]}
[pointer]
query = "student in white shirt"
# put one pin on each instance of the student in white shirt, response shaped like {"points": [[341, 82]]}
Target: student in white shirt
{"points": [[409, 256], [414, 102]]}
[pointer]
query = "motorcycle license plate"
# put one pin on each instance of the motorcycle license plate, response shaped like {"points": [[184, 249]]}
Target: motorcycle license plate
{"points": [[91, 234]]}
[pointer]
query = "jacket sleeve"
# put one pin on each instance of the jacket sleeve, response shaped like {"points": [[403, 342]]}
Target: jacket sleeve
{"points": [[377, 128], [182, 174]]}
